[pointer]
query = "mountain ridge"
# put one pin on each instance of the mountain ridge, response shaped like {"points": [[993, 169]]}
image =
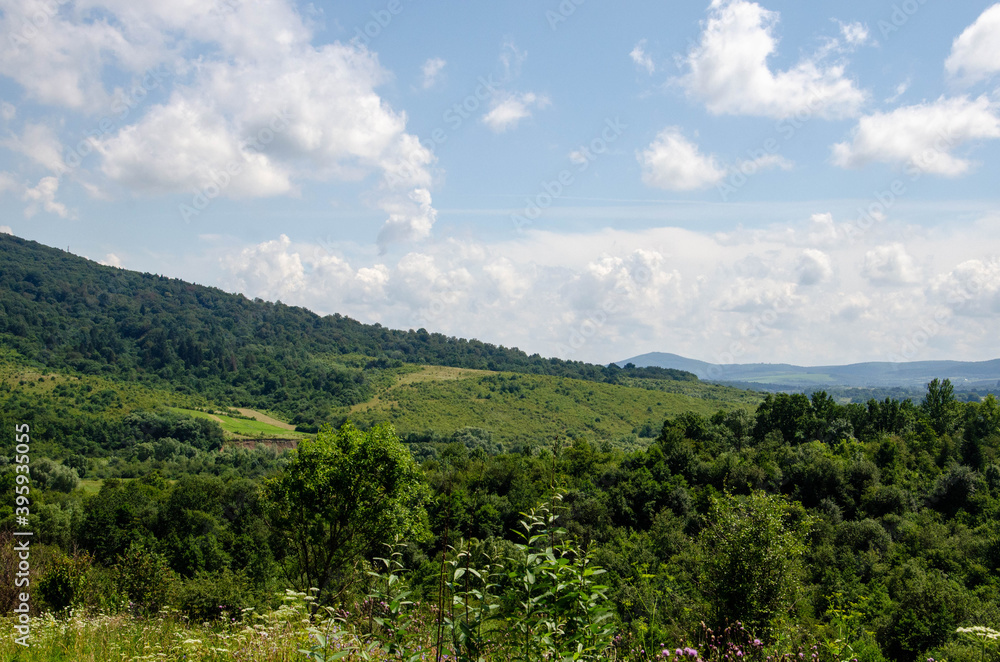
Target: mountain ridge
{"points": [[963, 374]]}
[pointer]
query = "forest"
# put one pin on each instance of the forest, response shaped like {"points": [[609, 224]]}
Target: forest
{"points": [[759, 526]]}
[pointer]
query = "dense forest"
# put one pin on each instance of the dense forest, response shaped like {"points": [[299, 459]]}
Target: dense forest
{"points": [[797, 527]]}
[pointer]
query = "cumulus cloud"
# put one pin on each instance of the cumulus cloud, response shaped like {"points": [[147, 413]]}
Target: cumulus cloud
{"points": [[507, 109], [431, 72], [922, 136], [39, 143], [975, 54], [674, 163], [43, 197], [244, 104], [813, 267], [6, 229], [186, 145], [779, 293], [56, 58], [728, 70], [971, 289], [111, 260], [409, 220], [641, 58], [890, 265]]}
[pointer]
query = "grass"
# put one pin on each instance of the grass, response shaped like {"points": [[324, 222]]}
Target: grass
{"points": [[242, 427], [524, 408], [89, 487]]}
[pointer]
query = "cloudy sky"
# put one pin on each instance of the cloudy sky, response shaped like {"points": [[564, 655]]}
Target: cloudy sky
{"points": [[728, 180]]}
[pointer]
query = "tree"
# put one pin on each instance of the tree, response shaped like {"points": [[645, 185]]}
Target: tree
{"points": [[940, 405], [343, 493], [753, 547]]}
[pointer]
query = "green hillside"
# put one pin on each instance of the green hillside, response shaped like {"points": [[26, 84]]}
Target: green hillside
{"points": [[526, 408], [61, 311]]}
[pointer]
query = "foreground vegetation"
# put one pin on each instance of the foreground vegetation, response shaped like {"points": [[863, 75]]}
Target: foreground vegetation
{"points": [[841, 531]]}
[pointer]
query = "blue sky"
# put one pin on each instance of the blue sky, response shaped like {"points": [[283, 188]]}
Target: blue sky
{"points": [[733, 181]]}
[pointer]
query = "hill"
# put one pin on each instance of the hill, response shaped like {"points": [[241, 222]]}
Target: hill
{"points": [[964, 375], [61, 311], [123, 342]]}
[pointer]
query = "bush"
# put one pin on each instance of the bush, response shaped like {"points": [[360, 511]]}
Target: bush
{"points": [[753, 548], [61, 587], [144, 577], [208, 596]]}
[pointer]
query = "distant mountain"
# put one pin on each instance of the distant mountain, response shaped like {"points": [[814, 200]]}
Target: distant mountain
{"points": [[916, 374]]}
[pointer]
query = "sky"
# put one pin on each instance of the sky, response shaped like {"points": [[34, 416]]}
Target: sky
{"points": [[732, 181]]}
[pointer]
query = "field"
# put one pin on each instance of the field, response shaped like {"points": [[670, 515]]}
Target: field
{"points": [[254, 425], [520, 408]]}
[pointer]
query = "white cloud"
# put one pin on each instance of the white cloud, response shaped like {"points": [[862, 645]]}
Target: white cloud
{"points": [[921, 136], [431, 72], [269, 270], [58, 55], [768, 294], [852, 307], [890, 265], [728, 70], [641, 58], [674, 163], [7, 111], [43, 196], [187, 145], [409, 220], [766, 162], [813, 267], [900, 91], [855, 34], [111, 260], [6, 229], [39, 143], [507, 109], [975, 54], [971, 289], [243, 100], [512, 59], [8, 182]]}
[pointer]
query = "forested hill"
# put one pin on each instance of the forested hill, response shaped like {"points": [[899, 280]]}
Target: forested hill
{"points": [[65, 312]]}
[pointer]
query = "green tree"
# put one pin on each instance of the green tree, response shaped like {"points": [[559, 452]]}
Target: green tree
{"points": [[342, 494], [940, 405], [752, 569]]}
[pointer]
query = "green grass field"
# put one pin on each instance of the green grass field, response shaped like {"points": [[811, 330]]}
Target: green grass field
{"points": [[242, 427], [525, 408]]}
